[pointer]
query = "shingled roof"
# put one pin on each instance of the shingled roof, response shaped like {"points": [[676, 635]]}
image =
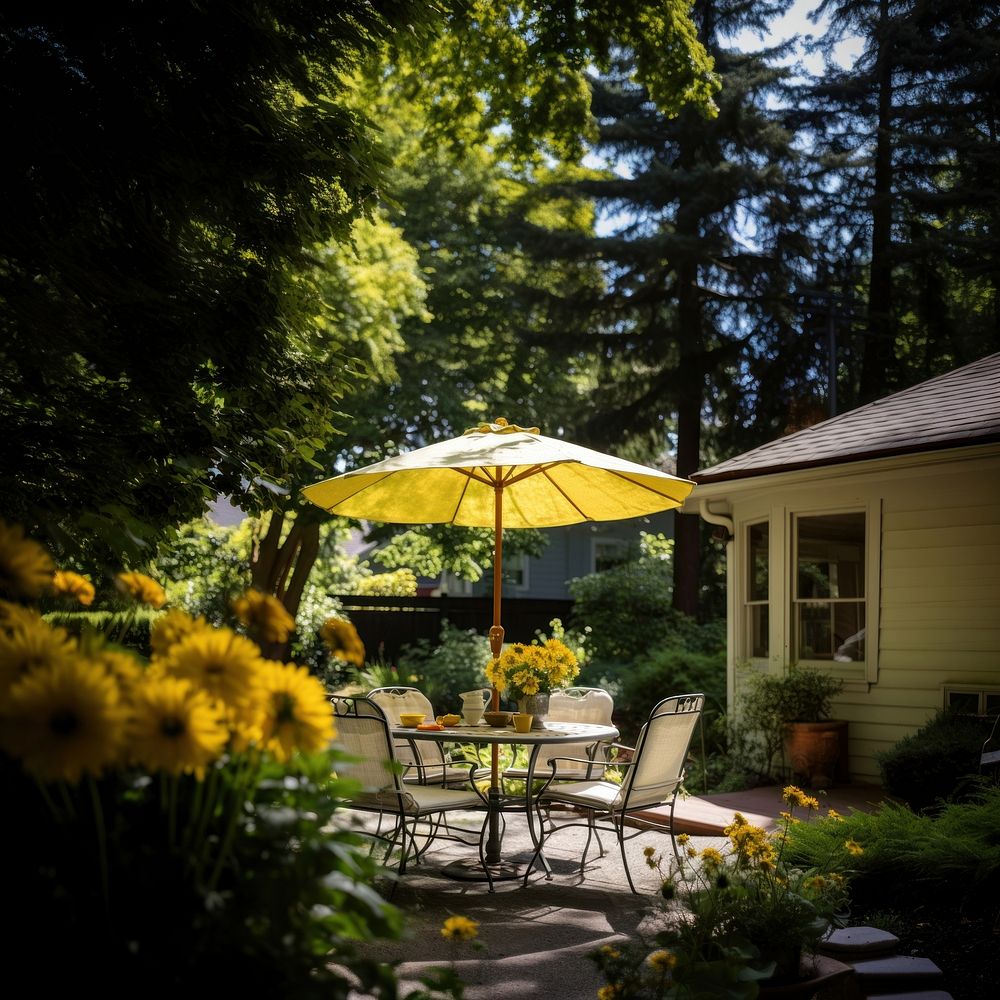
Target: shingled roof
{"points": [[961, 407]]}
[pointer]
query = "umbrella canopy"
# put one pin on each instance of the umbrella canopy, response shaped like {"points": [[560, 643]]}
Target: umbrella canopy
{"points": [[499, 475], [545, 482]]}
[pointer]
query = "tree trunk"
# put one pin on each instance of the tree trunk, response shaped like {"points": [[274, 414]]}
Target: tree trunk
{"points": [[879, 343], [282, 568], [687, 536]]}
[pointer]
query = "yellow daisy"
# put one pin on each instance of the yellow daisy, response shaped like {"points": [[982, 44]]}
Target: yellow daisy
{"points": [[26, 568], [225, 664], [127, 671], [460, 929], [171, 627], [296, 712], [29, 645], [15, 616], [662, 960], [69, 584], [64, 720], [141, 588], [265, 615], [853, 847], [342, 639], [175, 727]]}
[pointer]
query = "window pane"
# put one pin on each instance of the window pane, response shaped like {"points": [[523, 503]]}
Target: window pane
{"points": [[830, 631], [966, 702], [831, 556], [757, 561], [992, 703], [758, 629]]}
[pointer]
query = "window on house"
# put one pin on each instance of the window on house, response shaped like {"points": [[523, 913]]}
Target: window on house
{"points": [[757, 619], [972, 701], [515, 572], [609, 552], [828, 603]]}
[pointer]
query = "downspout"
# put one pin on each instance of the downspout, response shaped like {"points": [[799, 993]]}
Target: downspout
{"points": [[720, 519]]}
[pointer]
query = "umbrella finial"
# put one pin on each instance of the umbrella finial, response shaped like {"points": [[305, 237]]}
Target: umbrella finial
{"points": [[501, 426]]}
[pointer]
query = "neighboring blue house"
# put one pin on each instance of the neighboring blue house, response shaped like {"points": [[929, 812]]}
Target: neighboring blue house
{"points": [[574, 550]]}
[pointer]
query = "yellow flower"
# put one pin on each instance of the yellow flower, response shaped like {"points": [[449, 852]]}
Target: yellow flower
{"points": [[265, 614], [27, 644], [26, 568], [809, 802], [853, 847], [175, 727], [123, 667], [225, 664], [460, 929], [610, 952], [171, 627], [342, 639], [794, 795], [523, 670], [649, 851], [712, 857], [141, 588], [609, 992], [71, 584], [833, 814], [296, 712], [683, 838], [662, 960], [65, 720], [14, 616]]}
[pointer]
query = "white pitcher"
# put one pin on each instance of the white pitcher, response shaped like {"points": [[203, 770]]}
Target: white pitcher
{"points": [[473, 705]]}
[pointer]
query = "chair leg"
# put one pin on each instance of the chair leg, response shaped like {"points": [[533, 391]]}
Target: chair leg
{"points": [[620, 830]]}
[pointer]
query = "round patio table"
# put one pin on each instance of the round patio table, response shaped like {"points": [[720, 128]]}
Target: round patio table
{"points": [[551, 735]]}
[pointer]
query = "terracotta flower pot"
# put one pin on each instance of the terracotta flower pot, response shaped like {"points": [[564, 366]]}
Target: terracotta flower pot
{"points": [[813, 750]]}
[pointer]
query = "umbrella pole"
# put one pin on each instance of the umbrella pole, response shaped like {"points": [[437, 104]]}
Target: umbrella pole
{"points": [[496, 647]]}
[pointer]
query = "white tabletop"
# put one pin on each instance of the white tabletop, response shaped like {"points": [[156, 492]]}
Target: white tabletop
{"points": [[554, 732]]}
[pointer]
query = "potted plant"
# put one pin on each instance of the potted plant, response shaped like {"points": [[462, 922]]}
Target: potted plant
{"points": [[526, 674], [792, 711]]}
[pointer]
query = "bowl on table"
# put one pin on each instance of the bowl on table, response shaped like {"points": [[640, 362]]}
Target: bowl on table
{"points": [[497, 719], [411, 719]]}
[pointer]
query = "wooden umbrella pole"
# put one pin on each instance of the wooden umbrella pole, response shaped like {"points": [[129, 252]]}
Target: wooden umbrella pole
{"points": [[496, 647]]}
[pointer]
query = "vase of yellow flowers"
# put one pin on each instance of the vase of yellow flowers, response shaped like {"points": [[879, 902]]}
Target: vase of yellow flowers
{"points": [[526, 674]]}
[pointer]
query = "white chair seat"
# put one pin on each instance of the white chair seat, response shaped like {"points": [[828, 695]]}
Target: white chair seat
{"points": [[591, 794]]}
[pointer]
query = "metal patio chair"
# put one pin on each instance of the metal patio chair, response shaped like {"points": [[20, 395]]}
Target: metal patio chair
{"points": [[364, 735], [652, 777], [426, 763]]}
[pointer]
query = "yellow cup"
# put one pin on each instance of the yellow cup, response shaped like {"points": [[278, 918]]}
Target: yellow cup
{"points": [[522, 722]]}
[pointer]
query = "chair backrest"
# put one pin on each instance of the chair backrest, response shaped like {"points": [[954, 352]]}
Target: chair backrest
{"points": [[661, 751], [395, 701], [363, 733], [579, 704]]}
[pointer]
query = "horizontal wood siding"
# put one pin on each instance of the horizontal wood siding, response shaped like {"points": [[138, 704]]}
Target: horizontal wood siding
{"points": [[939, 610], [940, 601]]}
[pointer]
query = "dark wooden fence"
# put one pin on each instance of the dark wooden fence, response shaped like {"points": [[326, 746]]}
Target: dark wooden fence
{"points": [[386, 624]]}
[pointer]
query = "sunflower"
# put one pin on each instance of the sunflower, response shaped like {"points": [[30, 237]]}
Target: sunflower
{"points": [[297, 715], [26, 568], [123, 667], [175, 727], [64, 720], [342, 639], [69, 584], [27, 644], [141, 588], [15, 616], [265, 615], [171, 627], [225, 664], [460, 929]]}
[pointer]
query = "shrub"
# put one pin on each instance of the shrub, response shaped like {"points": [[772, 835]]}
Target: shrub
{"points": [[933, 763], [456, 664]]}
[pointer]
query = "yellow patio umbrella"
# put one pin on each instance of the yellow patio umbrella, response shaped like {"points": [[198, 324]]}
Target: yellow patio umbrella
{"points": [[500, 475]]}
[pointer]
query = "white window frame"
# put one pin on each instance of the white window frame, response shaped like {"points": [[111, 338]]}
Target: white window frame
{"points": [[980, 690], [621, 544], [746, 602], [522, 563]]}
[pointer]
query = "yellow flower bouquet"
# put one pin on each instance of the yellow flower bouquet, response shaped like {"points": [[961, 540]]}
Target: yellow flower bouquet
{"points": [[524, 669]]}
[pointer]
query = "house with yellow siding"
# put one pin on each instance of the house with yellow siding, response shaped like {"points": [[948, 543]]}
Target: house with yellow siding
{"points": [[868, 546]]}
